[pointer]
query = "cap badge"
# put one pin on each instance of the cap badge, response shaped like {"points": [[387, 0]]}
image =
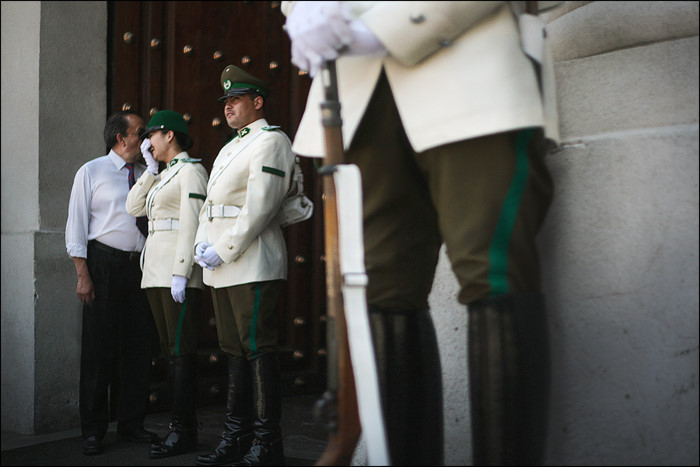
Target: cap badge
{"points": [[227, 84]]}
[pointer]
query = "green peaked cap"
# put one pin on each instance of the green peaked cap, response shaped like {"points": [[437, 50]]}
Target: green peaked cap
{"points": [[236, 82], [166, 120]]}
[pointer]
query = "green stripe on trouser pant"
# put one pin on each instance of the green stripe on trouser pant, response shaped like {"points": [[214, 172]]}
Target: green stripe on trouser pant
{"points": [[175, 321], [245, 318]]}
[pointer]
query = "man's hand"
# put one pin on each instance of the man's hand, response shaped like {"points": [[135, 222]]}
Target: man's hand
{"points": [[318, 30], [85, 290], [208, 257], [151, 163], [177, 289]]}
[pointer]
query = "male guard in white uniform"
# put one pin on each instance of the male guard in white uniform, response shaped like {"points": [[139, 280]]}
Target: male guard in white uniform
{"points": [[240, 245], [445, 114]]}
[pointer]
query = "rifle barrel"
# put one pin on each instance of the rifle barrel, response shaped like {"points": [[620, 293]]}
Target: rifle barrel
{"points": [[342, 440]]}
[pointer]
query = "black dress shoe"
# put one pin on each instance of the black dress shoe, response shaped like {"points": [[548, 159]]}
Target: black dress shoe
{"points": [[92, 445], [180, 440], [137, 435]]}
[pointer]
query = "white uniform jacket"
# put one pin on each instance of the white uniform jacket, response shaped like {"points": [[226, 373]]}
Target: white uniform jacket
{"points": [[174, 196], [249, 180], [457, 70]]}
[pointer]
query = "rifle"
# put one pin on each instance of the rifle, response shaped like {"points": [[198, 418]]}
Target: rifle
{"points": [[531, 8], [351, 350], [340, 399]]}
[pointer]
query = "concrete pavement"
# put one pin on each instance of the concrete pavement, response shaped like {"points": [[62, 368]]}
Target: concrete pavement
{"points": [[304, 440]]}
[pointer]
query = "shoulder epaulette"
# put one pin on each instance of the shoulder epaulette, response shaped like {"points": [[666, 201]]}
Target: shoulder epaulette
{"points": [[271, 127], [190, 159]]}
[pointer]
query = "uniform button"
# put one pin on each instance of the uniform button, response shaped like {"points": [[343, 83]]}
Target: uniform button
{"points": [[417, 18], [182, 260], [446, 43], [230, 247]]}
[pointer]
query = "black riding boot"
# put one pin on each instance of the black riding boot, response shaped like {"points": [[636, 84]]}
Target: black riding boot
{"points": [[408, 362], [267, 446], [509, 379], [238, 426], [182, 437]]}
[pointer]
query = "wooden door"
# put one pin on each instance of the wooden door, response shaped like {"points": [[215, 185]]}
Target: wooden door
{"points": [[170, 55]]}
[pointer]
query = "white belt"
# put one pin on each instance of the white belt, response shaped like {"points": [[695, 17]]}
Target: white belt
{"points": [[163, 224], [222, 210]]}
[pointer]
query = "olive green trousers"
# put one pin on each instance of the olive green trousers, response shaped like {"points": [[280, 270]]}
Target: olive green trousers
{"points": [[246, 321], [176, 322], [486, 198]]}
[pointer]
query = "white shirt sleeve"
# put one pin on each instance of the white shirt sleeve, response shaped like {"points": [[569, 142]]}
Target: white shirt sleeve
{"points": [[79, 214]]}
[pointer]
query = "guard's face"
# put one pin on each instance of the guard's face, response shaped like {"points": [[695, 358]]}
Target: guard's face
{"points": [[241, 111], [159, 144]]}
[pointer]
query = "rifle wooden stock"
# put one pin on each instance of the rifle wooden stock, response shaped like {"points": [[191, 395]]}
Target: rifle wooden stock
{"points": [[345, 433], [531, 7]]}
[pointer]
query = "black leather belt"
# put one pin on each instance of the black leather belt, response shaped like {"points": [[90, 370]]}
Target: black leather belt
{"points": [[130, 255]]}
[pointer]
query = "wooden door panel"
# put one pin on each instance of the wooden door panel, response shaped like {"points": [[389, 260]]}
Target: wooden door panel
{"points": [[126, 37], [174, 60]]}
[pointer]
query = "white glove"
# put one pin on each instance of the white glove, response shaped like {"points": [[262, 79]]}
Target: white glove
{"points": [[318, 30], [364, 42], [201, 246], [151, 163], [208, 259], [199, 251], [177, 289]]}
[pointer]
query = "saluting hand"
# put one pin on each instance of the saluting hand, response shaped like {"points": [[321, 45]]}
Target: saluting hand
{"points": [[151, 163]]}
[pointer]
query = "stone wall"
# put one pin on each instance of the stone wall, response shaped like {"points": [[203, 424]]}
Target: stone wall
{"points": [[620, 245]]}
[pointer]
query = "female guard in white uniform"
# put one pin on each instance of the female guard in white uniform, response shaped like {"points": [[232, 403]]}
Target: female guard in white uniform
{"points": [[172, 200]]}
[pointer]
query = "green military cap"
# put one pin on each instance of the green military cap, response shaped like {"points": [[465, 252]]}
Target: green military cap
{"points": [[236, 82], [168, 120]]}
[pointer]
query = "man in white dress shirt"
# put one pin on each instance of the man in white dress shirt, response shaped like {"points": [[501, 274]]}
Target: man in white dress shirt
{"points": [[105, 244]]}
